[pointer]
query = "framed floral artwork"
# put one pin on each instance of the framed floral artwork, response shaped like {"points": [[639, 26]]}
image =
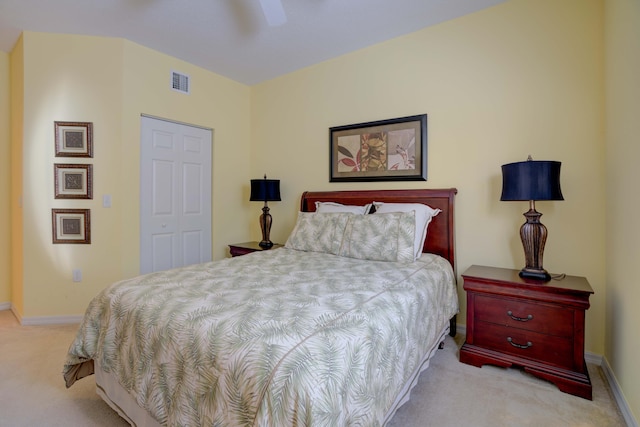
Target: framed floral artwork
{"points": [[386, 150]]}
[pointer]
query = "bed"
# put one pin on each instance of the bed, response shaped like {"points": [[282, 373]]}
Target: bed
{"points": [[322, 332]]}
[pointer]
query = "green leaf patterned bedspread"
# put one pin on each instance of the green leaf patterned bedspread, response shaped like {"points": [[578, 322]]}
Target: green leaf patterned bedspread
{"points": [[274, 338]]}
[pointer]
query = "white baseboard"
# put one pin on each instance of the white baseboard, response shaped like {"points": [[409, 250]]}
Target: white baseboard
{"points": [[610, 378], [40, 320], [594, 359], [618, 395], [461, 330], [49, 320]]}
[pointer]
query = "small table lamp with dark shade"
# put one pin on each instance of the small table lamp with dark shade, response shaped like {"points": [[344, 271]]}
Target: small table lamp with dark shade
{"points": [[530, 181], [265, 190]]}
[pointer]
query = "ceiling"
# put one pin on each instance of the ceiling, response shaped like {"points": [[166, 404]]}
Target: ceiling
{"points": [[232, 37]]}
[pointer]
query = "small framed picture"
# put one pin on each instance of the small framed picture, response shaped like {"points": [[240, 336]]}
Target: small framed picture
{"points": [[73, 181], [71, 225], [74, 139]]}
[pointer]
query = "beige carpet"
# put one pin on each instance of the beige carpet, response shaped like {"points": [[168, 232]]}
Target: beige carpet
{"points": [[448, 394]]}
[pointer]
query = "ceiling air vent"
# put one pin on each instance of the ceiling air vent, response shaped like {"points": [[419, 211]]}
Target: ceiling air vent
{"points": [[180, 82]]}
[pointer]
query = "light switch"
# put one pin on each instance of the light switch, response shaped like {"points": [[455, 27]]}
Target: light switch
{"points": [[106, 201]]}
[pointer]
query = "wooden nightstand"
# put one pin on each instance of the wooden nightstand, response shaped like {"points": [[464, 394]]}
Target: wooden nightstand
{"points": [[536, 325], [237, 249]]}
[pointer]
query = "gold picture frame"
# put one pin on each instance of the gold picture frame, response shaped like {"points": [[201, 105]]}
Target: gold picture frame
{"points": [[74, 139], [386, 150], [71, 226], [73, 181]]}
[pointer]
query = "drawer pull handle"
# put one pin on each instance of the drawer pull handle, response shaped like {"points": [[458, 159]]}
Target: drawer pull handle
{"points": [[519, 319], [529, 343]]}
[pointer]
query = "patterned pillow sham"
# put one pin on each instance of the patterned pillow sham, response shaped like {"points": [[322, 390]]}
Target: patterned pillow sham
{"points": [[318, 232], [326, 207], [382, 237], [423, 216]]}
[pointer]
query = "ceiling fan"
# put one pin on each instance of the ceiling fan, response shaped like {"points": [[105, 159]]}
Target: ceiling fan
{"points": [[273, 12]]}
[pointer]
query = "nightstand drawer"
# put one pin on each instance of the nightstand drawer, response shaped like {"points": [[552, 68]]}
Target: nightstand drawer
{"points": [[531, 345], [544, 319]]}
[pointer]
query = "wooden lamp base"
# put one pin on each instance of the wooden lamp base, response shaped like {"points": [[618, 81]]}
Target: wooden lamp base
{"points": [[534, 236], [265, 225]]}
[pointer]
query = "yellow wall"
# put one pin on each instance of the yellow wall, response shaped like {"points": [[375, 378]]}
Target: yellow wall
{"points": [[17, 116], [5, 181], [524, 77], [69, 79], [111, 82], [623, 202]]}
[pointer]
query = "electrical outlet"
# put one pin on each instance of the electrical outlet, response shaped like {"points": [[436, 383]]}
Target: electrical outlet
{"points": [[77, 275]]}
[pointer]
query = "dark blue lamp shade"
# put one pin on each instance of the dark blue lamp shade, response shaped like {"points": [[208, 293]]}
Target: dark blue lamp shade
{"points": [[265, 190], [531, 180]]}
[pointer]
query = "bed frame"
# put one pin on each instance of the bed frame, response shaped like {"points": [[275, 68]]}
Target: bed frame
{"points": [[440, 237], [440, 240]]}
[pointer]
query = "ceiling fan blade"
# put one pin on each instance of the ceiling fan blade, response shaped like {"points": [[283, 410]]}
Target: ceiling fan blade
{"points": [[273, 12]]}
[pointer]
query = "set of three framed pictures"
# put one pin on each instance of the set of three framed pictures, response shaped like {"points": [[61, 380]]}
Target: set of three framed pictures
{"points": [[73, 181]]}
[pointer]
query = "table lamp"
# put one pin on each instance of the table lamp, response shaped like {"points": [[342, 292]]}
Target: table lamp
{"points": [[265, 190], [530, 181]]}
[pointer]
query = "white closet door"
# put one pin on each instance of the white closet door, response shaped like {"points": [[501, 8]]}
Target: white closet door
{"points": [[175, 195]]}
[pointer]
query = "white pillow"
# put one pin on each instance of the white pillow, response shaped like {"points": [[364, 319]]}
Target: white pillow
{"points": [[424, 214], [383, 237], [318, 232], [331, 207]]}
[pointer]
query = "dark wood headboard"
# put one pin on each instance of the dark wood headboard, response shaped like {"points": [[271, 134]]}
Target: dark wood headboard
{"points": [[440, 235]]}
